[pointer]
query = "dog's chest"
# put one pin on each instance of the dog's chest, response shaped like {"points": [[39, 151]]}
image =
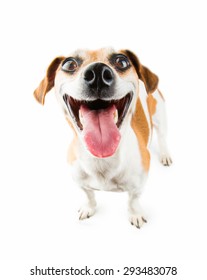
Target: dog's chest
{"points": [[107, 177], [104, 177]]}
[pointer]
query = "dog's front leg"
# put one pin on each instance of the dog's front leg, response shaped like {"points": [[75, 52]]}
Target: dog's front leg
{"points": [[136, 216], [88, 209]]}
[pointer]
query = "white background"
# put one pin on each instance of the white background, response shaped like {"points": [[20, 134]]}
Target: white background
{"points": [[38, 201]]}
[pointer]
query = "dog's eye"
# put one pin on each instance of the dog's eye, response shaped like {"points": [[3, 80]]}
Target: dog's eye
{"points": [[70, 65], [121, 62]]}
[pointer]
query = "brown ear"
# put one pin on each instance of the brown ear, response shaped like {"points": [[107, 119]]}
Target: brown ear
{"points": [[150, 79], [48, 82]]}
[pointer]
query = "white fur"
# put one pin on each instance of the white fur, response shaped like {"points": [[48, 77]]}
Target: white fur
{"points": [[160, 124]]}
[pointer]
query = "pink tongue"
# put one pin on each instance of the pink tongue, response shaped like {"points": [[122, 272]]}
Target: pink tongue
{"points": [[100, 133]]}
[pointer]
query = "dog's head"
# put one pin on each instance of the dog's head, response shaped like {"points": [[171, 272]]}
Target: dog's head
{"points": [[98, 91]]}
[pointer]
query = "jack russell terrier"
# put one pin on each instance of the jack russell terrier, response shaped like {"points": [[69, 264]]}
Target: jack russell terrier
{"points": [[111, 102]]}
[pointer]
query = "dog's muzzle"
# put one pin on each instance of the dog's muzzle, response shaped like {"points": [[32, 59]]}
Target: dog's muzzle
{"points": [[99, 80]]}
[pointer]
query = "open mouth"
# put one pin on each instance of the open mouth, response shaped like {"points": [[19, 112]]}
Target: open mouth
{"points": [[99, 122], [121, 105]]}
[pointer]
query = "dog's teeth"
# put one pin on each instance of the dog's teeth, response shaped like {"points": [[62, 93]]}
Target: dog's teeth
{"points": [[116, 116], [80, 117]]}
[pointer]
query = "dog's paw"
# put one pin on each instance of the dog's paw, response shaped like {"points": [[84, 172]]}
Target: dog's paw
{"points": [[86, 212], [166, 160], [137, 220]]}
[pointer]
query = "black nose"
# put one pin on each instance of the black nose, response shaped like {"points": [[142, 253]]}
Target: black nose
{"points": [[98, 76]]}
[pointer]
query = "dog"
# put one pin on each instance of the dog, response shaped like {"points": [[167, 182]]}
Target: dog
{"points": [[112, 102]]}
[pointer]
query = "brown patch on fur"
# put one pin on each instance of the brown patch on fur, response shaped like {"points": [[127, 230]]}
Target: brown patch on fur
{"points": [[93, 55], [151, 104], [97, 55], [73, 147], [140, 126], [48, 82]]}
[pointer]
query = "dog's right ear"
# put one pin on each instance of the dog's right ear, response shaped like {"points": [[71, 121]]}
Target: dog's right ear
{"points": [[148, 77], [48, 82]]}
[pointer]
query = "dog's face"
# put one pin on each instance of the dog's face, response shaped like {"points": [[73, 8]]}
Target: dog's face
{"points": [[98, 91]]}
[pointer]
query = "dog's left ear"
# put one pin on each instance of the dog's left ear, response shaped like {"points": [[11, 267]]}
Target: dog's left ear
{"points": [[48, 82], [150, 79]]}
